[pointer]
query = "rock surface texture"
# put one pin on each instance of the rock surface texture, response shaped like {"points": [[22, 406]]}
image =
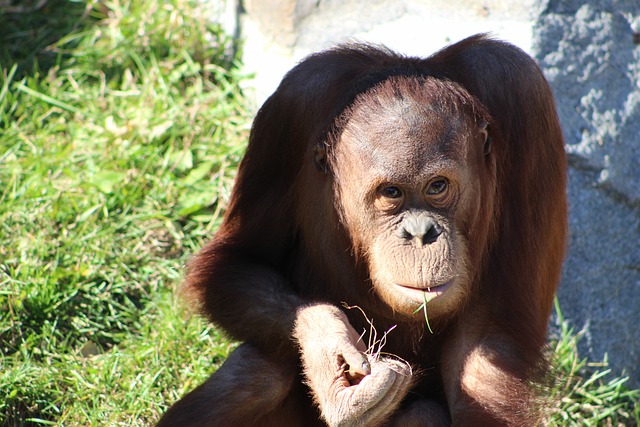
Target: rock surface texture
{"points": [[589, 51]]}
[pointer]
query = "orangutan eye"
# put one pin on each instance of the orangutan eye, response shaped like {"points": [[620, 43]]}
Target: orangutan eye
{"points": [[391, 192], [437, 187]]}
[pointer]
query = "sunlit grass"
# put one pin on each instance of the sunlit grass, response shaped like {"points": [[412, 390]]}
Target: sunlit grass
{"points": [[583, 393], [115, 164]]}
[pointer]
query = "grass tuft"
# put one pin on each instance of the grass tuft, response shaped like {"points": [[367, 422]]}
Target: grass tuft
{"points": [[584, 394]]}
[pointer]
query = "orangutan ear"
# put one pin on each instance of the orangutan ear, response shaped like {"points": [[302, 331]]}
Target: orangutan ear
{"points": [[487, 138], [320, 158]]}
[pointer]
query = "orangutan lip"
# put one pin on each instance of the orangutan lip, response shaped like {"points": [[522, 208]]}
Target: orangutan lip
{"points": [[433, 290], [438, 288]]}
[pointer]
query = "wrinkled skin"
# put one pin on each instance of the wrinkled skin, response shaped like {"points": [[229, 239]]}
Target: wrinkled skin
{"points": [[384, 182]]}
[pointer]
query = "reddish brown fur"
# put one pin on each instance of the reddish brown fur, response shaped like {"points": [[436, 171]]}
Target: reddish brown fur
{"points": [[288, 246]]}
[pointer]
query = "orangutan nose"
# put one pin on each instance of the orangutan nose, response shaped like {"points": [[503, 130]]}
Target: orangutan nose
{"points": [[420, 227]]}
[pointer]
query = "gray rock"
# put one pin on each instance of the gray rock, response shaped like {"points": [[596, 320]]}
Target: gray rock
{"points": [[587, 52]]}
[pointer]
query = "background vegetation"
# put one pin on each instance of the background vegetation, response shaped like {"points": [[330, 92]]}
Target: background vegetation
{"points": [[121, 125]]}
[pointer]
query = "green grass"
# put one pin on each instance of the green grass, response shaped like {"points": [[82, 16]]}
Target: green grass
{"points": [[119, 137], [583, 393], [121, 126]]}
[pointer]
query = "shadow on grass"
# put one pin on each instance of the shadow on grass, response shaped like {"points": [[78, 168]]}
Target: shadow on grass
{"points": [[26, 34]]}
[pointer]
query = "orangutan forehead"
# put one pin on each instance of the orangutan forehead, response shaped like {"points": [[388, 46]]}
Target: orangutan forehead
{"points": [[428, 94], [393, 129]]}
